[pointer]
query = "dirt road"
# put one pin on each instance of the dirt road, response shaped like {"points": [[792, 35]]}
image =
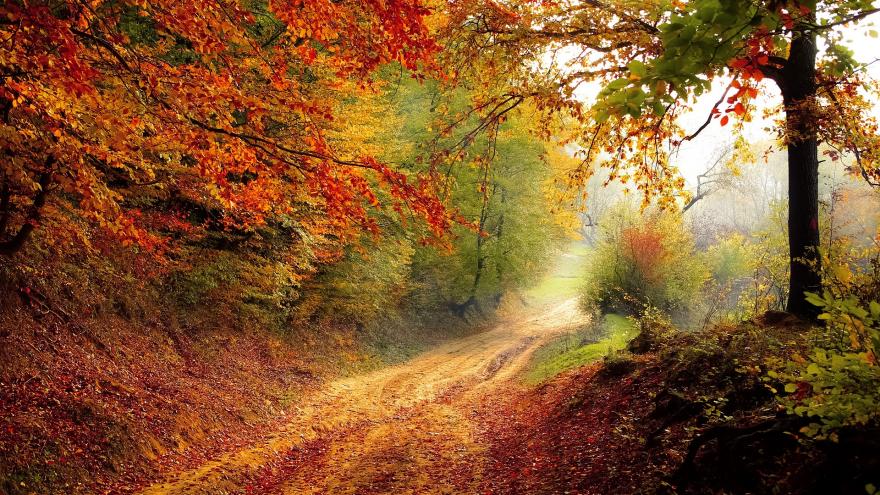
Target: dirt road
{"points": [[404, 429]]}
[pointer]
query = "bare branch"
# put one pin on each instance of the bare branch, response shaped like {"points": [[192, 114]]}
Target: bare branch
{"points": [[711, 113]]}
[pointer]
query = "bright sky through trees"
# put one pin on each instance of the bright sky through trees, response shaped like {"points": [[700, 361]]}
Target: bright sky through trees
{"points": [[691, 156]]}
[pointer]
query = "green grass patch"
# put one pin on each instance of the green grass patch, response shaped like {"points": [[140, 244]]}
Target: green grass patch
{"points": [[565, 279], [579, 348]]}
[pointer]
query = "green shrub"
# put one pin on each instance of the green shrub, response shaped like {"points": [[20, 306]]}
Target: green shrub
{"points": [[654, 328], [839, 384], [361, 286]]}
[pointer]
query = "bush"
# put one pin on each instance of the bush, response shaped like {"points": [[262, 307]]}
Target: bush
{"points": [[654, 329], [617, 365], [362, 286], [644, 260], [839, 384]]}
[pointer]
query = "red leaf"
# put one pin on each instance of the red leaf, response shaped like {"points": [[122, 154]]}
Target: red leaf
{"points": [[738, 63]]}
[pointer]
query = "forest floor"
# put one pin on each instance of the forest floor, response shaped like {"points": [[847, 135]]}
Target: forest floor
{"points": [[410, 428]]}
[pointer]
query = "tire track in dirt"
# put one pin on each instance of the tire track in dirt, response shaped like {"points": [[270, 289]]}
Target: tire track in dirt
{"points": [[404, 429]]}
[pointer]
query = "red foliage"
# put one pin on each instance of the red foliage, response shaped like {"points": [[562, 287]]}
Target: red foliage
{"points": [[645, 249], [577, 434]]}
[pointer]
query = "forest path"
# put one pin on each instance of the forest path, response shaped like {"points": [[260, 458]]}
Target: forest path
{"points": [[409, 428]]}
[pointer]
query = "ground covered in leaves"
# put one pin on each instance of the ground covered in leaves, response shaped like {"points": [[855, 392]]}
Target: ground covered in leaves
{"points": [[106, 404], [673, 413]]}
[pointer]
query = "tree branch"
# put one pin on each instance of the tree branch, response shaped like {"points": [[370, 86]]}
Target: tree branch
{"points": [[856, 17], [711, 113]]}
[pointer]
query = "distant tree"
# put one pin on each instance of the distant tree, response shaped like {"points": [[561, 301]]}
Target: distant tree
{"points": [[715, 176], [500, 181]]}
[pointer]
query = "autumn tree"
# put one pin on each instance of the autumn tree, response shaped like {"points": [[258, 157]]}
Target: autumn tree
{"points": [[654, 60], [224, 104]]}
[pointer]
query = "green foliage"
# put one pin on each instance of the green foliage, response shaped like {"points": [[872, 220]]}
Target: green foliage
{"points": [[654, 328], [581, 348], [696, 43], [498, 185], [729, 259], [850, 266], [362, 285], [730, 263], [192, 287], [243, 288], [768, 262], [644, 260], [838, 385], [700, 40]]}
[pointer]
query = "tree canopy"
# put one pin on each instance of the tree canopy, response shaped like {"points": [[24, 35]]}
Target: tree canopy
{"points": [[239, 108], [222, 104]]}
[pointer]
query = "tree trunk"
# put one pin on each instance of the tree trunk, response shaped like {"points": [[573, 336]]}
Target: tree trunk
{"points": [[481, 262], [501, 257], [799, 92], [15, 242]]}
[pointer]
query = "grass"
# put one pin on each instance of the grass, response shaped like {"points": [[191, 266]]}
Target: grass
{"points": [[580, 348], [566, 278]]}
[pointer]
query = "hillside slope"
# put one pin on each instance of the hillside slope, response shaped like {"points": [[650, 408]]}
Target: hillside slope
{"points": [[104, 403], [684, 413]]}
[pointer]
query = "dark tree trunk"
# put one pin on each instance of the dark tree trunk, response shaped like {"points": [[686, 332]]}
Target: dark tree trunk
{"points": [[12, 243], [15, 242], [481, 263], [798, 84]]}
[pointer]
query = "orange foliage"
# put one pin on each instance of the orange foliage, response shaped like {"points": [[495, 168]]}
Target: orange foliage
{"points": [[223, 103], [644, 246]]}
